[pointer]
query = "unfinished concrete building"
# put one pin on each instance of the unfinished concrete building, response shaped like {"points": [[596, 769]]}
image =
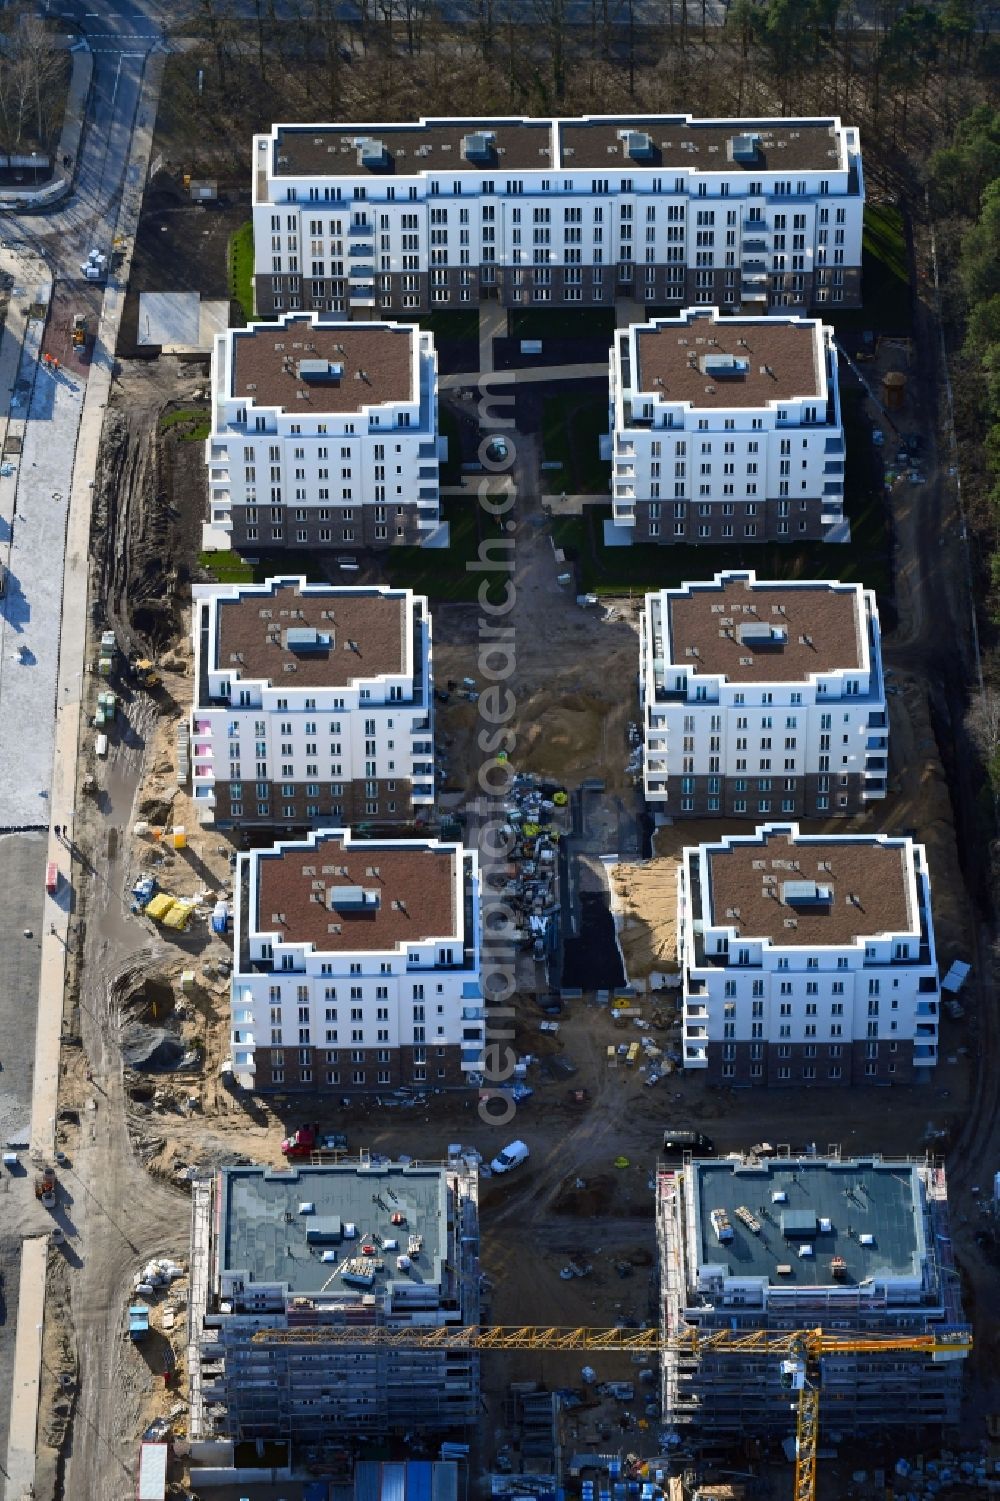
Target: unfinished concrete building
{"points": [[279, 1257], [785, 1243]]}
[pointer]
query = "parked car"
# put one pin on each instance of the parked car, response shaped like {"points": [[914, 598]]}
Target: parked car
{"points": [[551, 1005], [512, 1156]]}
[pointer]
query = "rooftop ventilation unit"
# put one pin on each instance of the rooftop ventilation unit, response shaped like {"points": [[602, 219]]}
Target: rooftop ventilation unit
{"points": [[760, 635], [638, 145], [316, 371], [306, 638], [479, 146], [371, 153], [354, 899], [806, 894], [724, 366], [744, 148]]}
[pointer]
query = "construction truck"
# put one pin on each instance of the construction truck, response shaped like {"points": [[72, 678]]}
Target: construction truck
{"points": [[46, 1187], [302, 1144], [78, 331], [144, 673]]}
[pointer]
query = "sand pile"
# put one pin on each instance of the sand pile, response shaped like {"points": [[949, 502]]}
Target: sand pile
{"points": [[645, 900]]}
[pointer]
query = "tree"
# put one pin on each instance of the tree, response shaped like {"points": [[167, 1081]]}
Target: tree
{"points": [[979, 261], [983, 725]]}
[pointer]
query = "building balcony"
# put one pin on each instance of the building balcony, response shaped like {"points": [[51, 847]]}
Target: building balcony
{"points": [[754, 268], [222, 517], [876, 766], [695, 1056], [357, 248], [696, 1012], [876, 743], [363, 297], [926, 1029], [360, 231], [422, 792], [360, 274], [925, 1054]]}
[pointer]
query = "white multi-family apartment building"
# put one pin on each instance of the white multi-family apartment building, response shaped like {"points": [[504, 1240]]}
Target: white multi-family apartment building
{"points": [[859, 1245], [807, 959], [762, 698], [664, 208], [313, 705], [324, 434], [364, 1243], [726, 430], [357, 965]]}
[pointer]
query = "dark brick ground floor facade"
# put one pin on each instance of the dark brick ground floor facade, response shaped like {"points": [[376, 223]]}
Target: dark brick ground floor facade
{"points": [[731, 522], [254, 528], [762, 797], [823, 1064], [659, 285], [392, 803], [358, 1070]]}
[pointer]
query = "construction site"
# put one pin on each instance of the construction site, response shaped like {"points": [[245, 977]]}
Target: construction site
{"points": [[174, 1182]]}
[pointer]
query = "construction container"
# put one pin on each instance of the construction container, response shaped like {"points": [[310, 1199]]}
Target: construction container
{"points": [[179, 838], [160, 905]]}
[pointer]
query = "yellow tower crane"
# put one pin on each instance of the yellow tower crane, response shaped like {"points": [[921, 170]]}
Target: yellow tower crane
{"points": [[799, 1352]]}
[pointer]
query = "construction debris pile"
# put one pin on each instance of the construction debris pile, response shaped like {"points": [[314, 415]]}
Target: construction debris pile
{"points": [[537, 818]]}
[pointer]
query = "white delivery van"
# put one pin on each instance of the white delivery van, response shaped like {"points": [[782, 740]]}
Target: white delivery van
{"points": [[511, 1156]]}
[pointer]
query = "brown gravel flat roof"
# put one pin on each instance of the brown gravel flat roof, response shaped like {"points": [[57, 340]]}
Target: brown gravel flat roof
{"points": [[868, 882], [377, 366], [823, 630], [331, 151], [252, 636], [415, 888], [780, 362], [789, 144]]}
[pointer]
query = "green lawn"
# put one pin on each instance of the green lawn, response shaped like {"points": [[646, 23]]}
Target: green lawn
{"points": [[227, 567], [461, 325], [562, 323], [571, 428], [885, 277], [865, 559], [195, 426], [449, 427], [241, 268], [442, 573]]}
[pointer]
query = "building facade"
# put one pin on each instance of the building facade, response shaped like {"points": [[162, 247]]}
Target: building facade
{"points": [[667, 209], [324, 435], [313, 705], [855, 1246], [761, 698], [807, 959], [357, 966], [726, 430], [280, 1257]]}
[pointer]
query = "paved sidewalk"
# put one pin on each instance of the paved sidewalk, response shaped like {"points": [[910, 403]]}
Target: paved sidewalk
{"points": [[35, 522], [535, 374], [27, 1368]]}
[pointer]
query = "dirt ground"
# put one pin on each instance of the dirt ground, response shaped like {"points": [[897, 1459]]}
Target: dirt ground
{"points": [[181, 246], [569, 723]]}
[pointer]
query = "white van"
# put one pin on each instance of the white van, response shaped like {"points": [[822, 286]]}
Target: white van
{"points": [[101, 746], [511, 1156]]}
